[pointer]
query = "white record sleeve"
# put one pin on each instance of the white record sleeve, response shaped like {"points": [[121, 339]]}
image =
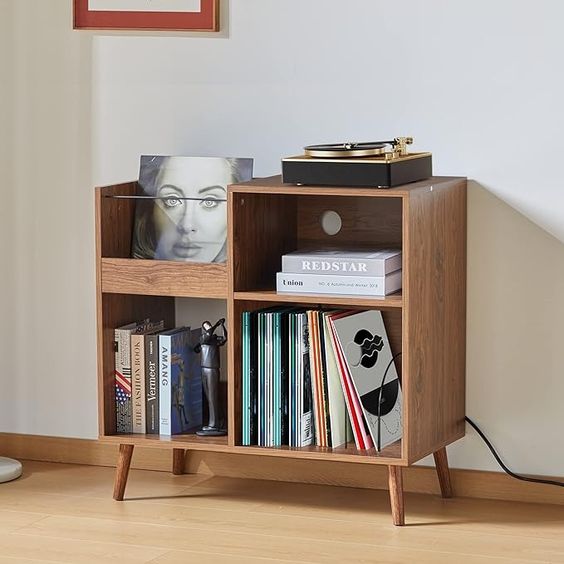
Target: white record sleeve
{"points": [[367, 351]]}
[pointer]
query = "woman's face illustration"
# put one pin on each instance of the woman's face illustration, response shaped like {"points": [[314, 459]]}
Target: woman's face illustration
{"points": [[192, 230]]}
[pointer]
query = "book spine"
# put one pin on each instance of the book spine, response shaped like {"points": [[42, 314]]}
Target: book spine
{"points": [[138, 382], [345, 285], [304, 264], [306, 427], [259, 344], [152, 384], [122, 375], [164, 385], [246, 370], [253, 380], [324, 379]]}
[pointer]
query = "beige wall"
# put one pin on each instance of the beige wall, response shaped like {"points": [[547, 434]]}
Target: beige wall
{"points": [[48, 335], [7, 286], [478, 83]]}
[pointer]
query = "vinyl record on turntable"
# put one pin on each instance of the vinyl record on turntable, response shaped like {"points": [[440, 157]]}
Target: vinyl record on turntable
{"points": [[374, 164], [347, 150]]}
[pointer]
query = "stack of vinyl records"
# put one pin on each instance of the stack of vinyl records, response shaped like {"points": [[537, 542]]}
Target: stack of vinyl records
{"points": [[318, 377]]}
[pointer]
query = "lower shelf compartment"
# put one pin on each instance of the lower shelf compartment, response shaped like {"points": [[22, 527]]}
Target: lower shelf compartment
{"points": [[390, 455]]}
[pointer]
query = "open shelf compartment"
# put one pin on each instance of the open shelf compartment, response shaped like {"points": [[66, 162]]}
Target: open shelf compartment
{"points": [[121, 274], [393, 322], [264, 226]]}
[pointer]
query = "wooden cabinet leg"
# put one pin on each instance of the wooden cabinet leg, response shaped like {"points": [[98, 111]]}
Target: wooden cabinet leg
{"points": [[396, 494], [178, 455], [122, 470], [441, 463]]}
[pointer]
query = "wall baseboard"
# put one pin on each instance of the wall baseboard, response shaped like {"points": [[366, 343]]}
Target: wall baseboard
{"points": [[419, 479]]}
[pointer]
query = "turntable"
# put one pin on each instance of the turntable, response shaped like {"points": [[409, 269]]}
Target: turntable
{"points": [[379, 164]]}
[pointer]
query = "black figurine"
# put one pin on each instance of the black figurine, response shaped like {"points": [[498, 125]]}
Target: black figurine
{"points": [[209, 348]]}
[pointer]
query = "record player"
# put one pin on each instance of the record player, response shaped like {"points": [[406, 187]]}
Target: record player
{"points": [[379, 164]]}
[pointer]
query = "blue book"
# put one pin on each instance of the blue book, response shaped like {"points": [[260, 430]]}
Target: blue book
{"points": [[180, 380]]}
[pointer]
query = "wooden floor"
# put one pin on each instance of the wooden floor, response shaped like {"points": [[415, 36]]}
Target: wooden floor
{"points": [[64, 513]]}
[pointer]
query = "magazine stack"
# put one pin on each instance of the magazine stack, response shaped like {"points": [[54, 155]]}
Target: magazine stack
{"points": [[354, 273]]}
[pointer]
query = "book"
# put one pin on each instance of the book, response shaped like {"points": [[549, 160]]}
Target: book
{"points": [[377, 286], [122, 374], [250, 379], [246, 340], [327, 441], [316, 379], [342, 262], [138, 387], [368, 356], [152, 384], [305, 424], [180, 402]]}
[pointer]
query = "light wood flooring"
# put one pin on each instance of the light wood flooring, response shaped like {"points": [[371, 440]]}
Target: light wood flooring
{"points": [[64, 513]]}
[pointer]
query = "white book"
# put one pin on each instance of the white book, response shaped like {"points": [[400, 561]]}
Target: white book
{"points": [[343, 285], [343, 262]]}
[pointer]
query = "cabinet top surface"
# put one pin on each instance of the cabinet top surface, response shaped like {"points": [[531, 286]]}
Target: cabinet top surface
{"points": [[274, 185]]}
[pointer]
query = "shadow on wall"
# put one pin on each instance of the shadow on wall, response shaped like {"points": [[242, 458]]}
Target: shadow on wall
{"points": [[515, 339]]}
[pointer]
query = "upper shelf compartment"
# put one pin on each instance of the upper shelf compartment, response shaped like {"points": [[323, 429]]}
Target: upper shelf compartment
{"points": [[120, 274], [270, 219]]}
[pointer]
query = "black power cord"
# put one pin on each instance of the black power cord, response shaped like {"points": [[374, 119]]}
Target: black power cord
{"points": [[499, 461], [478, 430]]}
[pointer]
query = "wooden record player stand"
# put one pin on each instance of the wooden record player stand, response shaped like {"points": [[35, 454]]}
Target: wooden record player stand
{"points": [[426, 321]]}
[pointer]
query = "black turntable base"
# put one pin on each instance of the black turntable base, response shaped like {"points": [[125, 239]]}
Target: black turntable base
{"points": [[381, 164]]}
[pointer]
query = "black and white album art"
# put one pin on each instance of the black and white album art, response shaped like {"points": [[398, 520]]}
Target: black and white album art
{"points": [[367, 351], [181, 214]]}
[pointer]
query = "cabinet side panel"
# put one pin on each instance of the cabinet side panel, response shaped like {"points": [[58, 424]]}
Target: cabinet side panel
{"points": [[434, 371], [116, 220]]}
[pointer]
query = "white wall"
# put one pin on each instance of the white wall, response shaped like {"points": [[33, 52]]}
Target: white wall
{"points": [[47, 289], [7, 277], [478, 83]]}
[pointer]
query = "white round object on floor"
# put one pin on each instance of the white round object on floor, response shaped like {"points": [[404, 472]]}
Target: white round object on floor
{"points": [[9, 469]]}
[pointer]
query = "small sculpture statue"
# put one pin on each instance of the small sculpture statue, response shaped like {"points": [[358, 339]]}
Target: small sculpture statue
{"points": [[209, 348]]}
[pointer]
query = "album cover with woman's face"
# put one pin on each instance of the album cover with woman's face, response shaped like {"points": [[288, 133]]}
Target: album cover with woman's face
{"points": [[182, 210]]}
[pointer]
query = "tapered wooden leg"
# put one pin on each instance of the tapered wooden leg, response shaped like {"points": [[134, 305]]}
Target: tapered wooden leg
{"points": [[396, 494], [441, 463], [122, 470], [178, 461]]}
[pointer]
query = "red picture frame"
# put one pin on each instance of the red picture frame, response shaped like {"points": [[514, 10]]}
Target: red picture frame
{"points": [[207, 19]]}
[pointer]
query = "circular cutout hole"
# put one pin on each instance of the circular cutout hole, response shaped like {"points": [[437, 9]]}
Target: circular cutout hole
{"points": [[331, 222]]}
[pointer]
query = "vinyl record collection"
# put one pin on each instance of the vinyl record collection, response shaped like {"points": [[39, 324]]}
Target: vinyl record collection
{"points": [[318, 377]]}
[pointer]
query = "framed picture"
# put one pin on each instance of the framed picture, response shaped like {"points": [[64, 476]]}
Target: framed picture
{"points": [[161, 15]]}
